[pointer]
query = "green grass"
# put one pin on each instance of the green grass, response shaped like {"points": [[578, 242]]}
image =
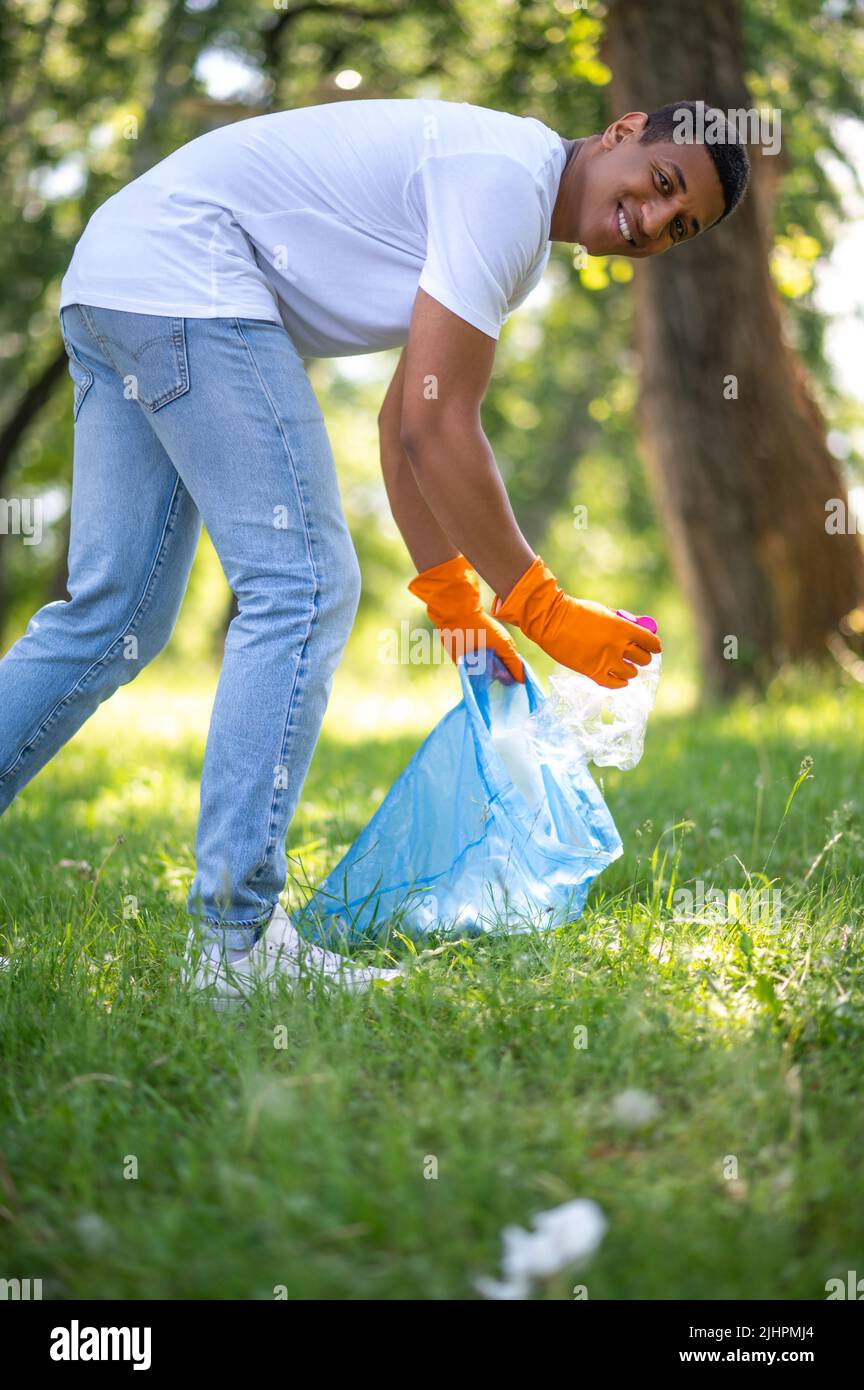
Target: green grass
{"points": [[288, 1147]]}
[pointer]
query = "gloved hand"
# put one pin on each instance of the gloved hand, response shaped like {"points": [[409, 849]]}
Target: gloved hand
{"points": [[577, 633], [451, 592]]}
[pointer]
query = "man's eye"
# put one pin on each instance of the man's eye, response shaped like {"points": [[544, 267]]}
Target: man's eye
{"points": [[679, 227], [664, 182]]}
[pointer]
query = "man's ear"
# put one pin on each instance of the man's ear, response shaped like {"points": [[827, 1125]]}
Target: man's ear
{"points": [[629, 127]]}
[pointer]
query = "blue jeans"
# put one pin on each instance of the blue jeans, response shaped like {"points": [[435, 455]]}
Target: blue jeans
{"points": [[179, 420]]}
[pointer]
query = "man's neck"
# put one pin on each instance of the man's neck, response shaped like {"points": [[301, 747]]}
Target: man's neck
{"points": [[561, 226]]}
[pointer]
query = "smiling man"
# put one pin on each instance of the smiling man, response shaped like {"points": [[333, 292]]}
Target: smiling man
{"points": [[633, 190], [653, 193], [191, 300]]}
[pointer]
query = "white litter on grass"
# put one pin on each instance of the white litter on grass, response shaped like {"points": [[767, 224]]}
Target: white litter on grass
{"points": [[93, 1231], [563, 1237], [635, 1109]]}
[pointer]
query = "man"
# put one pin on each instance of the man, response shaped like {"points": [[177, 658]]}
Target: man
{"points": [[191, 299]]}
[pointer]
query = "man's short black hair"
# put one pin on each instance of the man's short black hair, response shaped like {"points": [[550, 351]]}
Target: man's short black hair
{"points": [[730, 156]]}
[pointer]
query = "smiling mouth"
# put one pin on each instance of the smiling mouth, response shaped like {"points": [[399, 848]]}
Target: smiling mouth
{"points": [[623, 226]]}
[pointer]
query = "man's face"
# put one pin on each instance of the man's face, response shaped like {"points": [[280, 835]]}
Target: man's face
{"points": [[638, 200]]}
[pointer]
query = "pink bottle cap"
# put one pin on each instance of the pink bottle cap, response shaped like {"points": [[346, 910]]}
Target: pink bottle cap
{"points": [[644, 621]]}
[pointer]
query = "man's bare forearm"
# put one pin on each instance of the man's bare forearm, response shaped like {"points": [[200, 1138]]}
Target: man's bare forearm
{"points": [[457, 477], [443, 485], [427, 544]]}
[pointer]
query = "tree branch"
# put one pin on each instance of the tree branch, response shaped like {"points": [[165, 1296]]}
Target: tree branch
{"points": [[272, 34], [37, 394]]}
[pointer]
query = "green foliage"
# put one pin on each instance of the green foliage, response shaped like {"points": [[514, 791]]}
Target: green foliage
{"points": [[97, 91], [807, 59]]}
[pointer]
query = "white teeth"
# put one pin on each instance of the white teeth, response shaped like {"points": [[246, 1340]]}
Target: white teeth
{"points": [[623, 225]]}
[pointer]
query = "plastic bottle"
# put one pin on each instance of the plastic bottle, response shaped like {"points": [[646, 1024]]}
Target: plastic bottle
{"points": [[509, 708], [581, 719]]}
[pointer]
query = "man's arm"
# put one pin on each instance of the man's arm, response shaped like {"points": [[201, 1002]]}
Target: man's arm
{"points": [[427, 544], [445, 582], [442, 377], [445, 370]]}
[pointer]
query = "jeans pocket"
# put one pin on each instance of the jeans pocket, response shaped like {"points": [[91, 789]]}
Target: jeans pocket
{"points": [[82, 377], [147, 350]]}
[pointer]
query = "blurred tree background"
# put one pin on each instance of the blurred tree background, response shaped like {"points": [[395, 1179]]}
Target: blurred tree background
{"points": [[96, 91]]}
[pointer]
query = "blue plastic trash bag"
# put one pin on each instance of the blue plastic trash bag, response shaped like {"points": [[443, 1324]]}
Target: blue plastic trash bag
{"points": [[457, 846]]}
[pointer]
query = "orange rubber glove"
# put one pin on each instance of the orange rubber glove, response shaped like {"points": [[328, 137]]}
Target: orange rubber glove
{"points": [[451, 592], [577, 633]]}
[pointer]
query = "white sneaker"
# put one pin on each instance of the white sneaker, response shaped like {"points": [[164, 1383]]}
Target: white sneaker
{"points": [[279, 955]]}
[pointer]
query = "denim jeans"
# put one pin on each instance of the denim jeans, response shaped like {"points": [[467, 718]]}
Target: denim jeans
{"points": [[179, 420]]}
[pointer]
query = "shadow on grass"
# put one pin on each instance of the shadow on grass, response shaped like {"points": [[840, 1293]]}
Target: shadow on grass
{"points": [[726, 775]]}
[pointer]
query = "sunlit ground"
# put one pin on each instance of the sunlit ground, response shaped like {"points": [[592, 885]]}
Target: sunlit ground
{"points": [[697, 1075]]}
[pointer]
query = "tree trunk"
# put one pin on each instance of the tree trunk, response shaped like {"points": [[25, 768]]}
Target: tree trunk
{"points": [[742, 483]]}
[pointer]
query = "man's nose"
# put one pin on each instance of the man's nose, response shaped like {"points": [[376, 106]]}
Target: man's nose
{"points": [[657, 215]]}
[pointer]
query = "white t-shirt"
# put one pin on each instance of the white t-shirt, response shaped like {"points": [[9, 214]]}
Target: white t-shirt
{"points": [[327, 218]]}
